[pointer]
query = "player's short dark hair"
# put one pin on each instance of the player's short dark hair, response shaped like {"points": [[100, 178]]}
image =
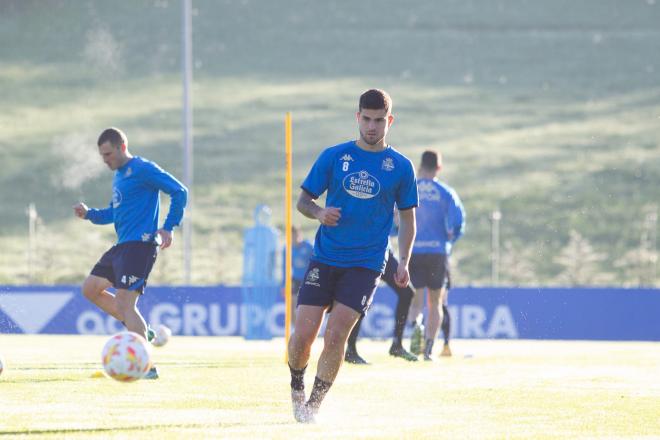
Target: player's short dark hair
{"points": [[375, 99], [114, 135], [431, 160]]}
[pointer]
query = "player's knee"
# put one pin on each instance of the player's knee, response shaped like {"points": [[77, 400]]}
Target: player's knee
{"points": [[90, 290], [335, 338], [301, 340], [299, 347], [126, 303], [124, 306]]}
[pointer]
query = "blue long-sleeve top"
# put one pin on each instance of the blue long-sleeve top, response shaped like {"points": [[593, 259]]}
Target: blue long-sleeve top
{"points": [[135, 204], [440, 218]]}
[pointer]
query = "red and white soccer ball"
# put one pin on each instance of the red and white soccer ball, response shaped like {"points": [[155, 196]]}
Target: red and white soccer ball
{"points": [[126, 357], [163, 335]]}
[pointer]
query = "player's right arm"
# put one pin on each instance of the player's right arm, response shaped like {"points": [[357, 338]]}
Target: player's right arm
{"points": [[96, 216], [328, 216], [315, 184]]}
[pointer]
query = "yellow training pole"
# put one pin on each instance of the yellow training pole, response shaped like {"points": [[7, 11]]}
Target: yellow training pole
{"points": [[287, 226]]}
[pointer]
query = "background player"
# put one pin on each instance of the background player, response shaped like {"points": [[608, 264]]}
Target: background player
{"points": [[301, 252], [440, 223], [405, 296]]}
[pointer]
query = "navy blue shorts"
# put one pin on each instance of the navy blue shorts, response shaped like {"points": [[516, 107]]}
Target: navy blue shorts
{"points": [[127, 265], [352, 286], [429, 270]]}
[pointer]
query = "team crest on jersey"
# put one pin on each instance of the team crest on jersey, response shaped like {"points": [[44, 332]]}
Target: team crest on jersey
{"points": [[428, 191], [361, 185], [312, 278], [116, 198], [128, 172], [347, 157], [388, 164]]}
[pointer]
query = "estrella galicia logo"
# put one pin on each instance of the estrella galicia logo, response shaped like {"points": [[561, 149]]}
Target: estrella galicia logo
{"points": [[313, 277], [361, 185], [116, 198]]}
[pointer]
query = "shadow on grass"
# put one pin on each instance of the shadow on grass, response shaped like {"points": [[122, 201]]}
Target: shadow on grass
{"points": [[132, 428]]}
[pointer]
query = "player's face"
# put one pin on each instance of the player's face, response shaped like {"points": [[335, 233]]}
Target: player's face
{"points": [[374, 125], [112, 156]]}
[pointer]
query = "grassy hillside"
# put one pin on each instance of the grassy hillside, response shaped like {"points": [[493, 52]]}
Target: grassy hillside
{"points": [[551, 117]]}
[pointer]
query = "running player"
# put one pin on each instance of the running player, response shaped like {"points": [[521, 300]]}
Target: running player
{"points": [[364, 180], [440, 223]]}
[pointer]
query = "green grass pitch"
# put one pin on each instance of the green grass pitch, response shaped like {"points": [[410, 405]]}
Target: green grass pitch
{"points": [[230, 388]]}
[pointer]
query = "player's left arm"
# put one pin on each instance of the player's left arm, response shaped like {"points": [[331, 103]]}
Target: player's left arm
{"points": [[407, 230], [406, 202], [456, 217], [164, 181]]}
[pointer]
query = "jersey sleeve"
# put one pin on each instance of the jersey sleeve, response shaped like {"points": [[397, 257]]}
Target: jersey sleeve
{"points": [[456, 216], [101, 216], [406, 196], [318, 179], [157, 178]]}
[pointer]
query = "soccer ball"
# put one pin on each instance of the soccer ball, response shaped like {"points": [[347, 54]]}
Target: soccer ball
{"points": [[2, 366], [163, 335], [126, 357]]}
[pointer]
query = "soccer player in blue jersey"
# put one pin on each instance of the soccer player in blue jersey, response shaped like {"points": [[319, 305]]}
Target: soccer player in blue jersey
{"points": [[134, 211], [405, 296], [440, 223], [364, 180], [301, 252]]}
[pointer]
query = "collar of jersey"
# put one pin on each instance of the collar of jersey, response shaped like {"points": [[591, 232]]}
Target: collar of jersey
{"points": [[122, 168], [384, 150]]}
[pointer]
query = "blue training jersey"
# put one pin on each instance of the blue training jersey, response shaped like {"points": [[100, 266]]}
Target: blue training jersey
{"points": [[135, 203], [366, 186], [301, 253], [439, 216]]}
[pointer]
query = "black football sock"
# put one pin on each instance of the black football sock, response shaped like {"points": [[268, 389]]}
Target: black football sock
{"points": [[401, 315], [446, 323], [297, 378], [428, 348], [352, 338], [319, 391]]}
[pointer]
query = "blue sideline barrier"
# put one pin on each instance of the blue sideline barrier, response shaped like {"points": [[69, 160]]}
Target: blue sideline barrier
{"points": [[548, 313]]}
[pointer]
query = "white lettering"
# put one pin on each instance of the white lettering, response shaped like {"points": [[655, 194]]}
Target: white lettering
{"points": [[168, 314], [251, 314], [194, 318], [90, 323], [502, 323], [230, 327], [453, 312], [277, 310], [473, 318], [362, 182]]}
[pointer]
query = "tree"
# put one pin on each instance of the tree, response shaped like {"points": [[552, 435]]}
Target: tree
{"points": [[581, 263]]}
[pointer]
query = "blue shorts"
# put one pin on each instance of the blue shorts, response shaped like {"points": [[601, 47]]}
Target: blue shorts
{"points": [[429, 270], [127, 265], [352, 286]]}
